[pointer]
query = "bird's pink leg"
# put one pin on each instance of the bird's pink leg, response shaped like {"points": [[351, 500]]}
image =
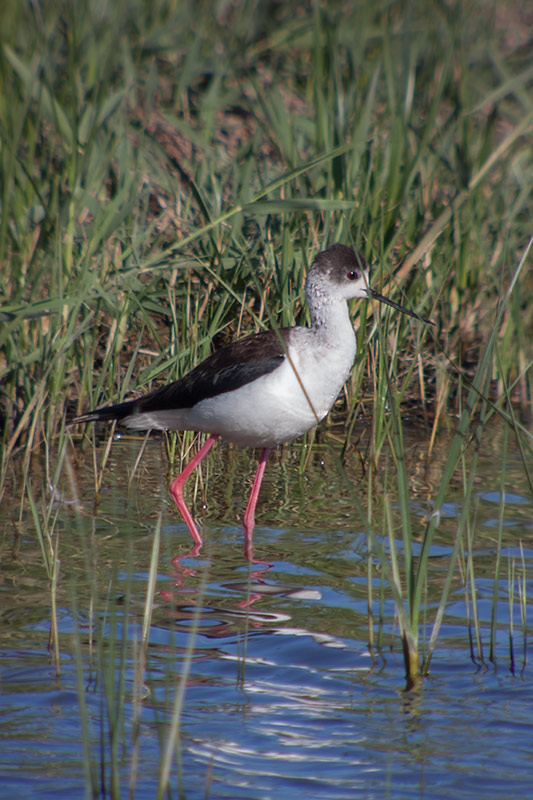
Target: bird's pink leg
{"points": [[176, 488], [249, 516]]}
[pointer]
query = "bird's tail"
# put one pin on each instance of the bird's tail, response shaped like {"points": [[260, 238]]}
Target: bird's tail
{"points": [[106, 413]]}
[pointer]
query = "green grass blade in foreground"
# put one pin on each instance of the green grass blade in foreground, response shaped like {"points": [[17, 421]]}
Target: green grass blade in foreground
{"points": [[48, 538], [497, 564], [522, 583], [89, 767], [511, 566], [171, 740], [139, 657], [410, 634], [150, 588], [470, 579]]}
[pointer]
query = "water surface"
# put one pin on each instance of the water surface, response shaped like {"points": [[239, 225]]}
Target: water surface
{"points": [[283, 697]]}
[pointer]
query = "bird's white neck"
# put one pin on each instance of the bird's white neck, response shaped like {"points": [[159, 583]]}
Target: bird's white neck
{"points": [[330, 317]]}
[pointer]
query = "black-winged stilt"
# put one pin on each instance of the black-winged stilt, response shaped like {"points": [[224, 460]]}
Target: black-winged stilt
{"points": [[267, 388]]}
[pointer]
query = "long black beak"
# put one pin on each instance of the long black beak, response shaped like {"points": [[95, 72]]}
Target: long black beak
{"points": [[377, 296]]}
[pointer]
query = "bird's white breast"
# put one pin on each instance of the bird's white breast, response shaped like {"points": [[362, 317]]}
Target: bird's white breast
{"points": [[283, 404]]}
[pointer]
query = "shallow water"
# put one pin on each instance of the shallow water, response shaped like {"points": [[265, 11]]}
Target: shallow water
{"points": [[283, 698]]}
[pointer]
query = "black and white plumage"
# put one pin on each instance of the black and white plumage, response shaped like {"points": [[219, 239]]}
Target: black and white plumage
{"points": [[266, 388]]}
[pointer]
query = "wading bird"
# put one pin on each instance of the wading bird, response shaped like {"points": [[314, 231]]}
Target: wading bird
{"points": [[267, 388]]}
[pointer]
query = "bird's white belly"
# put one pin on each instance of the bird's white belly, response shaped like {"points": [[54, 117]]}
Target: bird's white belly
{"points": [[274, 408]]}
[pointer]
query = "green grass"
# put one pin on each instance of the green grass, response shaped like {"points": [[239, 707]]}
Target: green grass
{"points": [[168, 170]]}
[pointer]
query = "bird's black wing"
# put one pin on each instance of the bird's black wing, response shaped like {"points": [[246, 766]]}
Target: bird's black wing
{"points": [[229, 368]]}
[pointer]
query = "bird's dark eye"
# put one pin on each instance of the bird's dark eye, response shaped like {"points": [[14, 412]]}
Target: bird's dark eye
{"points": [[352, 275]]}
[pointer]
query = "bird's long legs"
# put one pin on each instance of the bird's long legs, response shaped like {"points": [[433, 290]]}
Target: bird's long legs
{"points": [[249, 514], [176, 487]]}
